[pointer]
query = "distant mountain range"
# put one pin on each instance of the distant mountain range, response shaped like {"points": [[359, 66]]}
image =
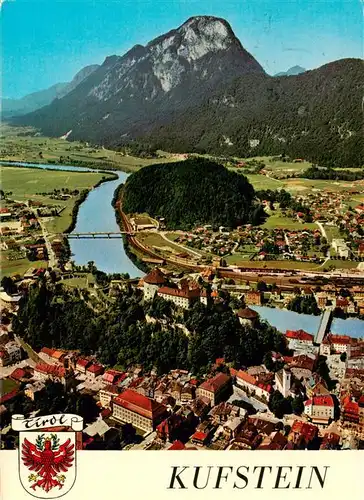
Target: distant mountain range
{"points": [[36, 100], [196, 88], [295, 70]]}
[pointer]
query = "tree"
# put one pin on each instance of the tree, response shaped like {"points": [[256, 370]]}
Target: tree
{"points": [[268, 361], [343, 357], [8, 285], [297, 405]]}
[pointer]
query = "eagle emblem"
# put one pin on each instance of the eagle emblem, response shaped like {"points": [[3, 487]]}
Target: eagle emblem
{"points": [[48, 459]]}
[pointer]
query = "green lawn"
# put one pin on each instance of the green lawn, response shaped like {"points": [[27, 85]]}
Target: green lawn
{"points": [[278, 221], [332, 233], [263, 182], [7, 385], [20, 266]]}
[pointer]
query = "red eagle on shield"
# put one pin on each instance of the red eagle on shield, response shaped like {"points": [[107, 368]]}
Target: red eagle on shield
{"points": [[47, 457]]}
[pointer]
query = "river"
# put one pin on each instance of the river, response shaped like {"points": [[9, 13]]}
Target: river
{"points": [[288, 320], [96, 214]]}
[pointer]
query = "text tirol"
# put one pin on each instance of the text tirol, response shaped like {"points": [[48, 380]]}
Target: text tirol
{"points": [[241, 477]]}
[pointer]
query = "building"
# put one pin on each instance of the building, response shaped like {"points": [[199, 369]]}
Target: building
{"points": [[320, 409], [300, 335], [138, 410], [107, 393], [152, 282], [182, 296], [251, 383], [340, 247], [283, 381], [94, 370], [254, 298], [216, 388], [335, 344], [82, 364], [10, 353], [247, 316], [55, 373], [302, 434], [112, 376]]}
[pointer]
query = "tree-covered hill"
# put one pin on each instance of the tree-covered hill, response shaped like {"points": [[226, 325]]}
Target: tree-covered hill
{"points": [[195, 191], [316, 115]]}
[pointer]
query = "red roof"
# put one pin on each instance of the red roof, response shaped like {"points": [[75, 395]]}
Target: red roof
{"points": [[177, 445], [340, 339], [199, 436], [246, 377], [112, 375], [247, 313], [299, 335], [308, 431], [177, 292], [155, 277], [95, 368], [18, 374], [9, 396], [57, 371], [140, 404], [326, 400], [47, 351], [215, 383], [83, 362]]}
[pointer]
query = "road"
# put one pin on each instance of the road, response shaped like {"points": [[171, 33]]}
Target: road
{"points": [[52, 261], [188, 250], [241, 395]]}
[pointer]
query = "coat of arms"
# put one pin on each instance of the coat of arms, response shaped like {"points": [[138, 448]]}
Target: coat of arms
{"points": [[47, 460]]}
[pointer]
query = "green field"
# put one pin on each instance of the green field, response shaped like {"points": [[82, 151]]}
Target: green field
{"points": [[20, 266], [263, 182], [278, 221], [39, 149], [7, 385], [25, 183]]}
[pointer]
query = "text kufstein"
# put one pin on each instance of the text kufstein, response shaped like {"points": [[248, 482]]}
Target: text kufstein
{"points": [[241, 477]]}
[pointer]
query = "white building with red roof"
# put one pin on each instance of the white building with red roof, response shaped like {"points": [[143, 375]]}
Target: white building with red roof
{"points": [[94, 370], [300, 335], [152, 282], [251, 383], [335, 344], [138, 410], [55, 373], [183, 296], [320, 409]]}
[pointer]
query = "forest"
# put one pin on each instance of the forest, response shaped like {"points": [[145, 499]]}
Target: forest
{"points": [[51, 316], [333, 174], [195, 191]]}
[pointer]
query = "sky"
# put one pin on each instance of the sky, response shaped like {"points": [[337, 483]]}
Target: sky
{"points": [[47, 41]]}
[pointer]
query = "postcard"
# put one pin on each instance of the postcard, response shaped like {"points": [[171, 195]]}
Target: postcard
{"points": [[182, 249]]}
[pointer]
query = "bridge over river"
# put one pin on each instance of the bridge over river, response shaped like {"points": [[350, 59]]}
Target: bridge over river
{"points": [[96, 234], [324, 326]]}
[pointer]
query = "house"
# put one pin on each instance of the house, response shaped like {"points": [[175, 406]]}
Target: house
{"points": [[10, 353], [302, 434], [320, 409], [275, 441], [112, 376], [216, 388], [350, 410], [82, 364], [231, 427], [94, 370], [199, 438], [152, 282], [142, 412], [166, 430], [55, 373], [253, 298], [300, 335], [252, 384], [107, 393], [335, 344], [330, 441]]}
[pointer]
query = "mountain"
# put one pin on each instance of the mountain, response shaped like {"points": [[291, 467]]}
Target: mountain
{"points": [[171, 73], [190, 191], [295, 70], [316, 115], [36, 100], [196, 88]]}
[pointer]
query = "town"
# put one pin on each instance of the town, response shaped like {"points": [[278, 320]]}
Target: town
{"points": [[309, 394]]}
